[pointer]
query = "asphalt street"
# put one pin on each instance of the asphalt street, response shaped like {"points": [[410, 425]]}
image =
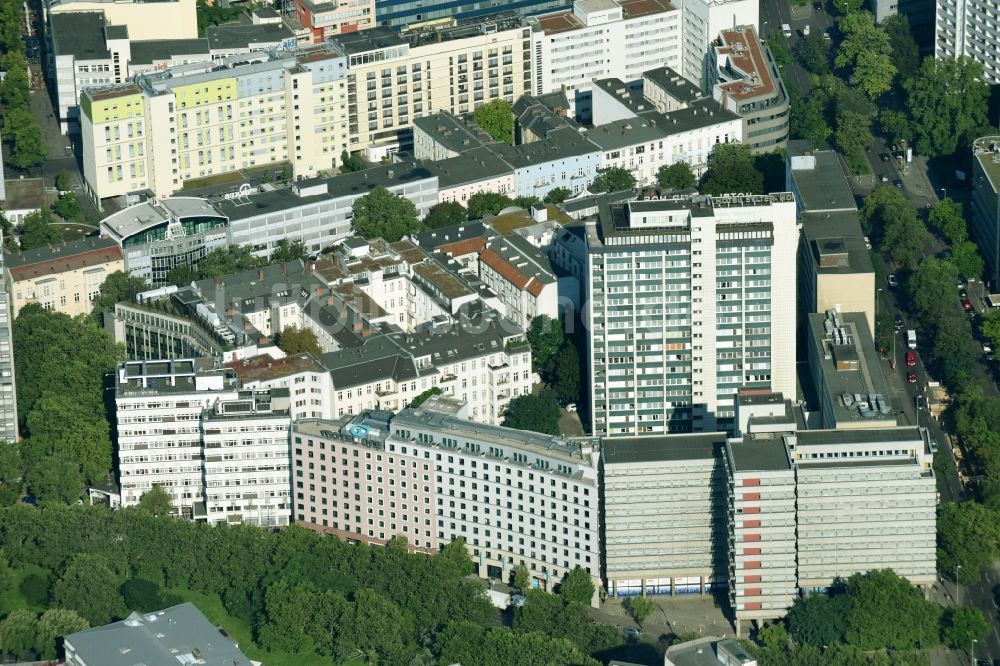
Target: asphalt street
{"points": [[775, 12]]}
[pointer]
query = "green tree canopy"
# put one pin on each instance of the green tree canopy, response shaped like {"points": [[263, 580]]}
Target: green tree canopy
{"points": [[349, 163], [39, 230], [947, 99], [676, 176], [445, 214], [537, 412], [52, 626], [948, 219], [422, 397], [295, 340], [819, 619], [382, 214], [640, 608], [577, 586], [62, 180], [24, 135], [545, 336], [612, 179], [903, 47], [852, 136], [731, 170], [64, 426], [288, 251], [896, 124], [522, 578], [967, 260], [886, 611], [67, 206], [182, 276], [156, 502], [961, 626], [140, 594], [14, 89], [557, 195], [497, 119], [867, 53], [228, 260], [564, 369], [482, 204], [117, 287], [18, 632], [807, 119], [968, 538], [814, 52], [88, 587]]}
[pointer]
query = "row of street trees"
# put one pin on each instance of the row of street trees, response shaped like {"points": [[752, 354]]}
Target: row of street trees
{"points": [[21, 130]]}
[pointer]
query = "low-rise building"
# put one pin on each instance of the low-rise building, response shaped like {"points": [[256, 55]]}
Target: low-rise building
{"points": [[552, 520], [746, 81], [22, 197], [180, 634], [326, 19], [65, 278]]}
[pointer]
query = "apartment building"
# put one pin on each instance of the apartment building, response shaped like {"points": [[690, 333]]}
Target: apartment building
{"points": [[173, 418], [703, 21], [145, 19], [968, 28], [865, 499], [835, 265], [920, 14], [65, 278], [516, 498], [600, 39], [846, 371], [306, 380], [664, 514], [760, 495], [984, 205], [684, 312], [401, 76], [745, 80], [327, 19], [522, 277], [403, 14], [8, 392]]}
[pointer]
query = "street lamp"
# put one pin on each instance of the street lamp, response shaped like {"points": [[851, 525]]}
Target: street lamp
{"points": [[972, 651]]}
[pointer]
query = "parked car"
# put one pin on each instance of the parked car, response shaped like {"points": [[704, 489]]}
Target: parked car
{"points": [[893, 281], [899, 322], [571, 407], [826, 35], [911, 377], [911, 358], [805, 31], [919, 401], [868, 243], [967, 305], [898, 183], [884, 157], [883, 178], [631, 633]]}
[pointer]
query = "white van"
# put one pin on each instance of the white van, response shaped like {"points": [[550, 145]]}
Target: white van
{"points": [[786, 30], [911, 338]]}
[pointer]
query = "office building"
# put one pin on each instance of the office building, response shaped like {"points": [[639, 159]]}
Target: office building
{"points": [[984, 205], [327, 19], [665, 520], [919, 13], [968, 28], [65, 278], [8, 390], [760, 493], [865, 499], [601, 39], [685, 310], [180, 634], [746, 81], [703, 21], [846, 371], [145, 20], [186, 425], [437, 477], [835, 264], [404, 14]]}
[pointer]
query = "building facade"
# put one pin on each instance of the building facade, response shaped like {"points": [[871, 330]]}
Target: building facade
{"points": [[65, 278], [967, 28], [703, 21], [169, 19], [984, 204], [684, 310], [8, 389], [456, 474], [326, 19]]}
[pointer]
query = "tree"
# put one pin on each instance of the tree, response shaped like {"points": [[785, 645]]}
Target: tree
{"points": [[676, 176], [39, 230], [295, 340], [156, 502], [640, 607], [11, 472], [545, 337], [483, 204], [896, 124], [182, 276], [116, 288], [55, 479], [947, 218], [886, 611], [612, 179], [947, 99], [227, 260], [961, 626], [968, 538], [852, 136], [62, 181], [349, 163], [779, 50], [28, 149], [496, 119], [65, 427], [966, 258], [35, 589], [526, 202], [422, 397], [140, 594], [18, 633], [52, 626], [287, 251], [865, 50], [774, 636], [902, 47], [903, 239], [371, 626], [14, 89], [577, 587], [445, 214], [557, 195], [814, 52], [819, 619], [67, 206], [382, 214], [565, 368], [88, 587], [731, 170], [990, 327], [522, 578], [808, 118]]}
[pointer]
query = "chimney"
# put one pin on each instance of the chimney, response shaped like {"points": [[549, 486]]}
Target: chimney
{"points": [[260, 275]]}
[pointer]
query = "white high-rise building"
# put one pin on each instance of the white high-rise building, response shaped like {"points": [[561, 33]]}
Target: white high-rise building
{"points": [[968, 28], [8, 394], [688, 303], [703, 21]]}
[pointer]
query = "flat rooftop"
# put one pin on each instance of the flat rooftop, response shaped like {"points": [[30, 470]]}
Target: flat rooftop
{"points": [[759, 455], [819, 178], [987, 151], [857, 436], [264, 368], [132, 220], [625, 450], [155, 50], [79, 34], [741, 57], [241, 36], [24, 194], [836, 242]]}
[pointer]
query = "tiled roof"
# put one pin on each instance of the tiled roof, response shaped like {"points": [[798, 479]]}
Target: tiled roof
{"points": [[504, 268], [62, 258]]}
